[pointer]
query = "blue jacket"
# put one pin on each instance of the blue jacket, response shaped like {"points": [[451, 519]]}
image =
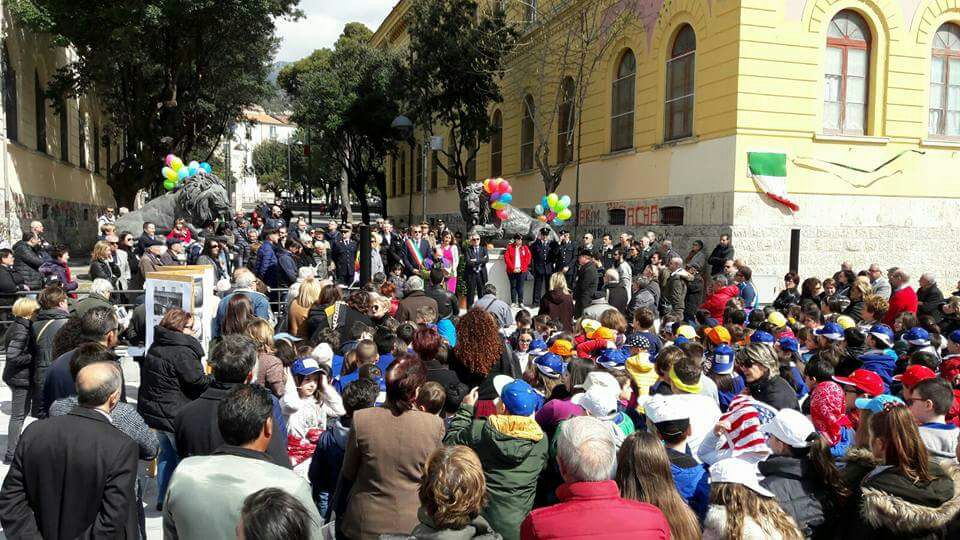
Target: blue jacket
{"points": [[882, 365], [839, 450], [287, 268], [749, 294], [328, 459], [447, 331], [267, 264], [692, 481], [261, 307]]}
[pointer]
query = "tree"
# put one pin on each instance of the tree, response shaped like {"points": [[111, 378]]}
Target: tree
{"points": [[562, 55], [171, 74], [347, 98], [454, 70]]}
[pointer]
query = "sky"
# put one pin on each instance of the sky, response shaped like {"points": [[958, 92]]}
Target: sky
{"points": [[323, 22]]}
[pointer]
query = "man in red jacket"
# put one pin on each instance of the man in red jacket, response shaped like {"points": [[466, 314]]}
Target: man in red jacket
{"points": [[590, 504], [904, 298], [517, 259], [720, 294]]}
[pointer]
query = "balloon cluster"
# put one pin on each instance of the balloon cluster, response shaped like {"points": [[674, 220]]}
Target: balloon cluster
{"points": [[501, 195], [553, 209], [176, 171]]}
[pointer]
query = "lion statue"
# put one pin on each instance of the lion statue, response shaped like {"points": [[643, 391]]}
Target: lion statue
{"points": [[476, 212], [200, 200]]}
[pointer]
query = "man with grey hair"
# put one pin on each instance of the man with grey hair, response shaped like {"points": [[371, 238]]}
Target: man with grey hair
{"points": [[881, 287], [413, 300], [904, 298], [74, 475], [245, 283], [99, 296], [674, 298], [929, 297], [587, 457]]}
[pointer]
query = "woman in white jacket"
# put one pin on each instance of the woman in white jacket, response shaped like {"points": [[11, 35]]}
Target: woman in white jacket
{"points": [[307, 404], [742, 509]]}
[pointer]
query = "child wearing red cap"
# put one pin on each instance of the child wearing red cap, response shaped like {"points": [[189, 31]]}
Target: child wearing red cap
{"points": [[861, 383]]}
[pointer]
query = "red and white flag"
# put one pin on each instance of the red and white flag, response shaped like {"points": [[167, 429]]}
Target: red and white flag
{"points": [[745, 416]]}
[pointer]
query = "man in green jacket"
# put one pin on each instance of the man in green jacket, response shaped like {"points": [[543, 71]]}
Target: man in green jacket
{"points": [[512, 448]]}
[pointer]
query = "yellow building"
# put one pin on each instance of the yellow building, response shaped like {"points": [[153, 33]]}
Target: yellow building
{"points": [[54, 164], [862, 96]]}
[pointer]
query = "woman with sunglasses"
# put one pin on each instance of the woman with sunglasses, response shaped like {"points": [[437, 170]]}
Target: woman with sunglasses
{"points": [[210, 256]]}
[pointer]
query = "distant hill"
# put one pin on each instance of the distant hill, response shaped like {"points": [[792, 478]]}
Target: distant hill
{"points": [[275, 70]]}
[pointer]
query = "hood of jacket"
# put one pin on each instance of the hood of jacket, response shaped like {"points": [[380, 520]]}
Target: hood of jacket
{"points": [[51, 264], [511, 437], [427, 530], [165, 337], [891, 501], [51, 314], [861, 456], [557, 297], [785, 467], [687, 478]]}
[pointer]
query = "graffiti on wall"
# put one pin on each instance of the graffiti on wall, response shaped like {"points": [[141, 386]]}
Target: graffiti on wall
{"points": [[634, 214]]}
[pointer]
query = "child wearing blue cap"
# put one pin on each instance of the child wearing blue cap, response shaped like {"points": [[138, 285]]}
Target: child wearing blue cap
{"points": [[511, 446], [308, 401], [729, 383], [788, 353]]}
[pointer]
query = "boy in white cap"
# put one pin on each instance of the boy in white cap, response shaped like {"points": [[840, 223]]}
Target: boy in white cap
{"points": [[671, 419]]}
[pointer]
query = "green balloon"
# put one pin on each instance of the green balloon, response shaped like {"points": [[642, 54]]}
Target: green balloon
{"points": [[169, 184]]}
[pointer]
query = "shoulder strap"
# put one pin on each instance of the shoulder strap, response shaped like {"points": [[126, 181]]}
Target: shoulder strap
{"points": [[44, 329]]}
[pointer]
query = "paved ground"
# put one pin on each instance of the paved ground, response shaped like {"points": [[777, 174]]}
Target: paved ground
{"points": [[131, 374]]}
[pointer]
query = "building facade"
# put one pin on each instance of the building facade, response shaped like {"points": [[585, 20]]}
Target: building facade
{"points": [[862, 97], [54, 161], [256, 127]]}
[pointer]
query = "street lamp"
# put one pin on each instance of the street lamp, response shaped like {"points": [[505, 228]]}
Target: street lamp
{"points": [[403, 126]]}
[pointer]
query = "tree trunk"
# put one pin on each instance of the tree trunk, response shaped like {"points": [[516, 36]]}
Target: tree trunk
{"points": [[345, 196], [126, 184]]}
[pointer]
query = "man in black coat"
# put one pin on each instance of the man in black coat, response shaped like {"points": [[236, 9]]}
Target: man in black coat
{"points": [[564, 255], [27, 260], [476, 268], [410, 262], [721, 253], [11, 282], [391, 248], [541, 252], [929, 297], [195, 426], [588, 278], [447, 303], [73, 476], [343, 253]]}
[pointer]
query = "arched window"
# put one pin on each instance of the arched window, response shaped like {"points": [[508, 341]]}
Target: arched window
{"points": [[526, 134], [64, 131], [40, 108], [945, 82], [434, 169], [681, 68], [624, 91], [417, 165], [10, 95], [846, 75], [565, 121], [82, 138], [394, 162], [496, 145]]}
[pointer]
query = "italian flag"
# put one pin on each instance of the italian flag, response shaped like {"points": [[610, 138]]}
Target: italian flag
{"points": [[769, 171]]}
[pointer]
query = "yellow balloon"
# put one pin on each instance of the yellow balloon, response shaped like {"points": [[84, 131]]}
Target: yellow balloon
{"points": [[176, 163]]}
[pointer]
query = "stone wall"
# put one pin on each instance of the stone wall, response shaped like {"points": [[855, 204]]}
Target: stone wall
{"points": [[918, 234], [68, 222]]}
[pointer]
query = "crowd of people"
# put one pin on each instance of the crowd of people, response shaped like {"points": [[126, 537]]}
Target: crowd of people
{"points": [[637, 393]]}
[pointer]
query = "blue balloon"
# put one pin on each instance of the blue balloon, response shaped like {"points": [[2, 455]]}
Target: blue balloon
{"points": [[206, 167], [544, 203], [557, 221], [496, 197], [183, 173], [506, 198]]}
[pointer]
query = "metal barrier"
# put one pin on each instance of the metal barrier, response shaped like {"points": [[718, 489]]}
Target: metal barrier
{"points": [[125, 298]]}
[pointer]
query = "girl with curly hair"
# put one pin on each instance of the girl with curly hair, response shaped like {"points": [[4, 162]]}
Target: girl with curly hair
{"points": [[452, 494], [482, 353]]}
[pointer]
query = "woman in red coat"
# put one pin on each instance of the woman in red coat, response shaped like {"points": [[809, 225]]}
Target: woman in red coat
{"points": [[720, 294], [517, 258]]}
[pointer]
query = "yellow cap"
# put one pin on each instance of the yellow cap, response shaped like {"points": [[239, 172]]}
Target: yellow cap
{"points": [[603, 333], [777, 319], [589, 326], [687, 331], [845, 321]]}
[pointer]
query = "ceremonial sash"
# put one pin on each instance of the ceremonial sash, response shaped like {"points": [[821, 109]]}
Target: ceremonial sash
{"points": [[415, 253]]}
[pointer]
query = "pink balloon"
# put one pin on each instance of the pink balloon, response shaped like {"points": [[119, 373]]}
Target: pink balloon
{"points": [[503, 215], [168, 159], [506, 187]]}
